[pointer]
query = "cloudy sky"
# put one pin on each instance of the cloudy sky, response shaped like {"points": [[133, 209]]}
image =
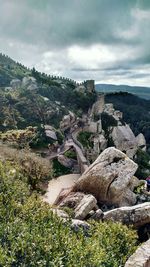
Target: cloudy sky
{"points": [[105, 40]]}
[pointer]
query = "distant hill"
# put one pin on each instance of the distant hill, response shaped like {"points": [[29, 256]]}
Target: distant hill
{"points": [[143, 92]]}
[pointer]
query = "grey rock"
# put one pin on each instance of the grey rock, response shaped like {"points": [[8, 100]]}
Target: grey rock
{"points": [[87, 203], [124, 140], [15, 83], [50, 132], [141, 142], [97, 215], [141, 257], [72, 200], [137, 215], [60, 213], [108, 178], [78, 224]]}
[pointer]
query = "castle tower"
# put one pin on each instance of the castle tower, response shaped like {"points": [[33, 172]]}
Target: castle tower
{"points": [[90, 86]]}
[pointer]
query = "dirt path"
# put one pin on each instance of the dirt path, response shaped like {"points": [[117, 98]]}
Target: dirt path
{"points": [[56, 185]]}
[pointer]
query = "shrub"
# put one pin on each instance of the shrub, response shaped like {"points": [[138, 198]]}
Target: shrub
{"points": [[35, 168], [143, 161], [59, 169], [30, 235], [85, 139]]}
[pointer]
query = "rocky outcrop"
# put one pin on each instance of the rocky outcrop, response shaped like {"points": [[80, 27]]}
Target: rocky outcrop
{"points": [[72, 200], [100, 143], [50, 132], [15, 84], [141, 142], [124, 140], [60, 213], [29, 83], [141, 257], [67, 121], [137, 215], [67, 162], [81, 204], [108, 178], [87, 203]]}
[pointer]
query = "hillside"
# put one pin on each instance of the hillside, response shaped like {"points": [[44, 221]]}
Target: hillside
{"points": [[143, 92], [28, 97], [136, 111]]}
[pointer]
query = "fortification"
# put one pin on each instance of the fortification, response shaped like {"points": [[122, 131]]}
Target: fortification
{"points": [[90, 86]]}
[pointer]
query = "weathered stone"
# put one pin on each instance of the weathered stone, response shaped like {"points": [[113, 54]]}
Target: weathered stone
{"points": [[67, 162], [109, 109], [87, 203], [72, 200], [98, 215], [15, 83], [60, 213], [141, 257], [124, 140], [108, 178], [27, 81], [137, 215], [50, 132], [141, 142]]}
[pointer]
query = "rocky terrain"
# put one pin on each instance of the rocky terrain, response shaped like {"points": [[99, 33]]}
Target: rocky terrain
{"points": [[76, 131]]}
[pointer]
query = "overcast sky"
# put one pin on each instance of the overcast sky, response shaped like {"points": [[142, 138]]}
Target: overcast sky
{"points": [[105, 40]]}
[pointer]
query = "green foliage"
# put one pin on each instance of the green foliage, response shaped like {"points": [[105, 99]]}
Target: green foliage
{"points": [[143, 161], [30, 235], [59, 169], [85, 138], [71, 154], [36, 169], [107, 121]]}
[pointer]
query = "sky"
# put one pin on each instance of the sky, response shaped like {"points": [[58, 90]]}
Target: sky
{"points": [[104, 40]]}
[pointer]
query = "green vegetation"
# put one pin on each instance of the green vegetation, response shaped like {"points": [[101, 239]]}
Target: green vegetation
{"points": [[71, 154], [37, 170], [30, 235], [59, 169], [45, 104], [85, 138], [108, 121], [143, 161]]}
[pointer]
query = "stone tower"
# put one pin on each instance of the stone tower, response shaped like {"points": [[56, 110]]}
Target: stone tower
{"points": [[90, 86]]}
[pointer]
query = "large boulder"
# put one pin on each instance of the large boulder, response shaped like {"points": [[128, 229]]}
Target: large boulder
{"points": [[15, 84], [124, 140], [109, 178], [141, 257], [141, 142], [137, 215]]}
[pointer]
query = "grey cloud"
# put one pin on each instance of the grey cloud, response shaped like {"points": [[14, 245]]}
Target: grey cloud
{"points": [[29, 28]]}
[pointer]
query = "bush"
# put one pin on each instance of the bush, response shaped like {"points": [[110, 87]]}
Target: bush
{"points": [[30, 235], [85, 139], [59, 169], [35, 168], [143, 161]]}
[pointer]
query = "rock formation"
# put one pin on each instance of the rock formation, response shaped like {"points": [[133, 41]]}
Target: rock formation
{"points": [[109, 178], [141, 257], [137, 215], [141, 142], [124, 140]]}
